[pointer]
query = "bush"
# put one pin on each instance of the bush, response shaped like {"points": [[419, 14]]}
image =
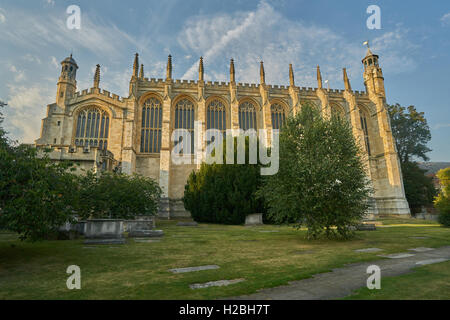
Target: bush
{"points": [[117, 196], [224, 193], [444, 219], [37, 196], [442, 201], [321, 182]]}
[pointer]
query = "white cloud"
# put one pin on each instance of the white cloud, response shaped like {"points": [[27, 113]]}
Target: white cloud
{"points": [[2, 16], [265, 34], [445, 20], [54, 62], [37, 32], [19, 75], [24, 111], [441, 125]]}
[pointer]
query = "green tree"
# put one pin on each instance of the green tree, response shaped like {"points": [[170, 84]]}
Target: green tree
{"points": [[224, 193], [116, 195], [412, 134], [321, 182], [442, 201]]}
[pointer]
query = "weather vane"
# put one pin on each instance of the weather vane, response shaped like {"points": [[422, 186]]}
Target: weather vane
{"points": [[366, 43]]}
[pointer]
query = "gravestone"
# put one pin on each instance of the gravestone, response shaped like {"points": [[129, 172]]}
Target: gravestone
{"points": [[369, 250], [192, 269], [104, 229], [145, 233], [187, 224], [366, 227], [254, 219], [430, 261], [397, 255], [218, 283]]}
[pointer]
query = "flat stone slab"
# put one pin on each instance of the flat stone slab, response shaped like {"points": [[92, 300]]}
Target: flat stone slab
{"points": [[420, 237], [369, 250], [219, 283], [421, 249], [104, 241], [187, 224], [366, 227], [192, 269], [431, 261], [147, 240], [397, 255], [268, 231], [145, 233]]}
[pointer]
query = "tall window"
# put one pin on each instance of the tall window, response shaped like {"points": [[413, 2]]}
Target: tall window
{"points": [[151, 126], [216, 118], [337, 111], [278, 115], [184, 119], [247, 116], [363, 119], [92, 128]]}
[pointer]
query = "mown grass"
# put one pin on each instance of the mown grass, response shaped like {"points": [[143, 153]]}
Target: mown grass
{"points": [[140, 270], [430, 282]]}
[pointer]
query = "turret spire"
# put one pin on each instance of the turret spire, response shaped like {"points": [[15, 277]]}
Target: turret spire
{"points": [[97, 77], [232, 73], [169, 68], [348, 87], [319, 78], [200, 70], [262, 74], [141, 72], [136, 65], [291, 76]]}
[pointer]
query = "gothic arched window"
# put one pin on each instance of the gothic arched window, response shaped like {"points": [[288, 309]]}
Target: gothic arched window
{"points": [[247, 116], [365, 129], [337, 111], [92, 128], [184, 118], [215, 116], [151, 126], [278, 115]]}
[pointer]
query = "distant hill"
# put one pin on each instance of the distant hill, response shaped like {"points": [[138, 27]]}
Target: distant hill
{"points": [[433, 167]]}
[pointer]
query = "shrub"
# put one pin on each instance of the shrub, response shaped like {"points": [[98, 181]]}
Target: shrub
{"points": [[117, 196], [442, 201], [224, 193]]}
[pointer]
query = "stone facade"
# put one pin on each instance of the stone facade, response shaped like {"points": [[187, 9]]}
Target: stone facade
{"points": [[121, 124]]}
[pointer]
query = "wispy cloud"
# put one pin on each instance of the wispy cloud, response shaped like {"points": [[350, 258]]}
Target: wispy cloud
{"points": [[265, 34], [445, 20], [441, 125]]}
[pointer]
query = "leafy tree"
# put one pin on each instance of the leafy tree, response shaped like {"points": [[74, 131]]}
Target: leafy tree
{"points": [[411, 133], [36, 195], [224, 193], [117, 196], [321, 182], [419, 188], [442, 201]]}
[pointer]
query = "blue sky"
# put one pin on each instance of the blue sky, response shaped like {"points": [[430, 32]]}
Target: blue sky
{"points": [[413, 44]]}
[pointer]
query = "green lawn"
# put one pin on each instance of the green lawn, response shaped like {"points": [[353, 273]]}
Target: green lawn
{"points": [[140, 270], [430, 282]]}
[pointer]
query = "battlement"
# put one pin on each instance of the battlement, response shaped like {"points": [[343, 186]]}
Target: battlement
{"points": [[93, 91]]}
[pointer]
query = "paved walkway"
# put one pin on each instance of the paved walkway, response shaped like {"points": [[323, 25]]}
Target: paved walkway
{"points": [[343, 281]]}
